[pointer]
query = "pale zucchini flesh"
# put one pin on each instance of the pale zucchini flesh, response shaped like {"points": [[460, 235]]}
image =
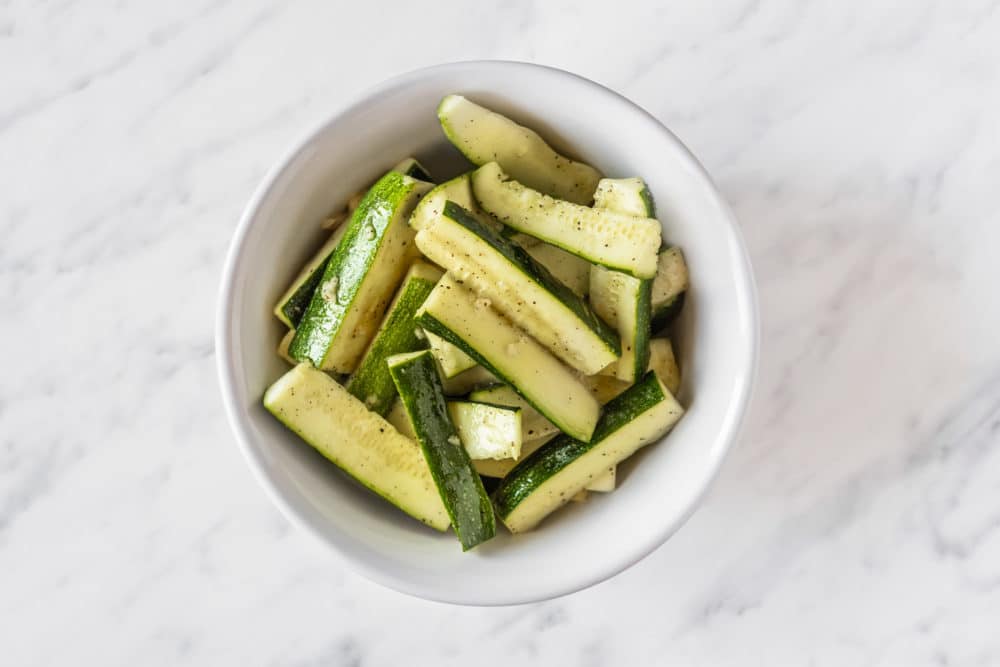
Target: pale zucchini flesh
{"points": [[466, 381], [664, 364], [507, 278], [669, 287], [534, 424], [486, 136], [360, 277], [487, 431], [458, 190], [499, 469], [450, 359], [547, 479], [604, 483], [623, 300], [625, 195], [572, 271], [363, 444], [620, 299], [398, 333], [616, 240], [286, 340], [457, 315]]}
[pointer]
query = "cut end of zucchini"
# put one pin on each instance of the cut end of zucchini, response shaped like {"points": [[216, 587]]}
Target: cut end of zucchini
{"points": [[616, 240], [487, 431], [484, 136], [547, 479], [459, 485], [321, 412]]}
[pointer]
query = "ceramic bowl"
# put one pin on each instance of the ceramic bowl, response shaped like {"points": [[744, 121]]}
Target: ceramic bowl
{"points": [[715, 337]]}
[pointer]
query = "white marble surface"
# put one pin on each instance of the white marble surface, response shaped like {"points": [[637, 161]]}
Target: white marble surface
{"points": [[857, 524]]}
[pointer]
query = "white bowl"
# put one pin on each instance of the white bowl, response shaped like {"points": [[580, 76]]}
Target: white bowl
{"points": [[716, 339]]}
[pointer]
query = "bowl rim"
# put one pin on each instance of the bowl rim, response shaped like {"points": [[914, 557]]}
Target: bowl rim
{"points": [[730, 427]]}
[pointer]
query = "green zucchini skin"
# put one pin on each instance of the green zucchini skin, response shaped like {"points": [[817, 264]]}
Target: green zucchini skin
{"points": [[337, 327], [372, 383], [411, 167], [296, 305], [669, 287], [630, 196], [536, 272], [640, 359], [461, 489], [483, 135], [618, 241], [665, 315], [534, 470], [294, 302], [432, 324]]}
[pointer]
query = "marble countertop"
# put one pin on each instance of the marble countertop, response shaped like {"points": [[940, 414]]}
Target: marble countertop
{"points": [[858, 522]]}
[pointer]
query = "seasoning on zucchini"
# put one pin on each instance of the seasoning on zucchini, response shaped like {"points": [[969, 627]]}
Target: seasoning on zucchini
{"points": [[669, 287], [484, 136], [457, 482], [572, 271], [457, 315], [663, 363], [533, 423], [363, 444], [620, 299], [618, 241], [487, 431], [544, 481], [371, 382], [505, 276], [451, 360], [360, 277]]}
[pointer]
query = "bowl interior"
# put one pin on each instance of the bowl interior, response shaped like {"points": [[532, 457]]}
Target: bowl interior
{"points": [[715, 338]]}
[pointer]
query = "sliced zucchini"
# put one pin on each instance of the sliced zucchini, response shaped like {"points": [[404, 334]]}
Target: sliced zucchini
{"points": [[458, 190], [572, 271], [410, 167], [457, 315], [485, 136], [620, 299], [545, 480], [669, 287], [605, 387], [615, 240], [625, 195], [487, 431], [623, 301], [457, 481], [663, 363], [450, 359], [534, 424], [293, 303], [506, 277], [606, 482], [371, 382], [363, 444], [286, 340], [499, 469], [467, 381], [400, 420], [580, 496], [360, 277]]}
